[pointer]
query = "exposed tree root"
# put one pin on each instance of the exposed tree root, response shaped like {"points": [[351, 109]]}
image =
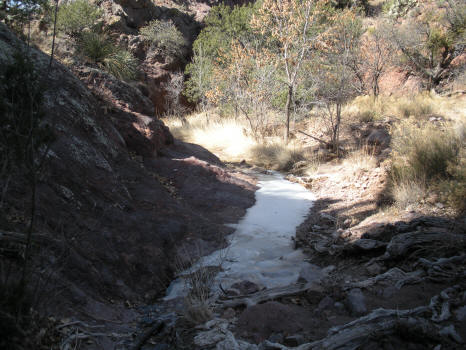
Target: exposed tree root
{"points": [[393, 277], [420, 324]]}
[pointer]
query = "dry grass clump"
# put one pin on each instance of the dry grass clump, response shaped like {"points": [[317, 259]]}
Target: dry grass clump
{"points": [[361, 159], [367, 109], [419, 107], [198, 279], [423, 151], [276, 156], [425, 159]]}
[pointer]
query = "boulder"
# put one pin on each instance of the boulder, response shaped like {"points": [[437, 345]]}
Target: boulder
{"points": [[245, 287], [379, 137], [356, 302]]}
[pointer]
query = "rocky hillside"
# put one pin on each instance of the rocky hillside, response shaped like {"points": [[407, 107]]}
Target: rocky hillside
{"points": [[120, 203]]}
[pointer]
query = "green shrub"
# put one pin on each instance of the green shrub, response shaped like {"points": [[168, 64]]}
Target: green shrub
{"points": [[115, 60], [166, 36], [95, 47], [122, 64], [75, 16]]}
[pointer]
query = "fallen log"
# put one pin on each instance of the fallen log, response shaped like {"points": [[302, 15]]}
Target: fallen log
{"points": [[268, 295]]}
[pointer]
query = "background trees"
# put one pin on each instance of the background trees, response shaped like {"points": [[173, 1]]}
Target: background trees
{"points": [[292, 29], [223, 24], [431, 38]]}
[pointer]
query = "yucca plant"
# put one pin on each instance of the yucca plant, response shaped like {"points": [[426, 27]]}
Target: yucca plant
{"points": [[100, 50]]}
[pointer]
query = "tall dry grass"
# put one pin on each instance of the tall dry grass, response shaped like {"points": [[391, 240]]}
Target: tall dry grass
{"points": [[230, 140], [427, 158], [420, 106]]}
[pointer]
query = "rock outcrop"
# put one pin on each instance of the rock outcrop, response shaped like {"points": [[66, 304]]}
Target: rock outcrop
{"points": [[115, 211]]}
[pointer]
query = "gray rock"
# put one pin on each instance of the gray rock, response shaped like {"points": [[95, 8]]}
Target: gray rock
{"points": [[211, 337], [245, 287], [451, 331], [229, 314], [162, 347], [229, 343], [339, 307], [389, 292], [379, 137], [267, 345], [247, 346], [276, 338], [293, 340], [356, 303], [374, 269], [461, 313], [311, 273], [326, 303]]}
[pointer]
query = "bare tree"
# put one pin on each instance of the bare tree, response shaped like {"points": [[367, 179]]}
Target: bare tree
{"points": [[335, 79], [173, 90], [377, 53]]}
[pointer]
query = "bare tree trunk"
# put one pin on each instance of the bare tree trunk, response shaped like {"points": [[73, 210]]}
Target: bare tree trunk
{"points": [[54, 33], [336, 130], [288, 112]]}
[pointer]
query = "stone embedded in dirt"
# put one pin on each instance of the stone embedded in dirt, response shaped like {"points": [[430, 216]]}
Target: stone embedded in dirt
{"points": [[276, 338], [294, 340], [229, 314], [339, 307], [356, 302], [245, 287], [326, 303], [389, 292], [311, 273], [375, 269], [452, 333], [211, 337], [461, 313]]}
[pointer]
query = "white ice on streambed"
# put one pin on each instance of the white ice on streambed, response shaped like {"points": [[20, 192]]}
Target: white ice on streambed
{"points": [[261, 249]]}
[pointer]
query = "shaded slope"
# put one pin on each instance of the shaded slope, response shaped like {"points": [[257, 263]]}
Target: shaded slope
{"points": [[116, 219]]}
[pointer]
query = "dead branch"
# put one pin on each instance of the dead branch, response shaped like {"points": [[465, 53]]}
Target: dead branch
{"points": [[267, 295]]}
